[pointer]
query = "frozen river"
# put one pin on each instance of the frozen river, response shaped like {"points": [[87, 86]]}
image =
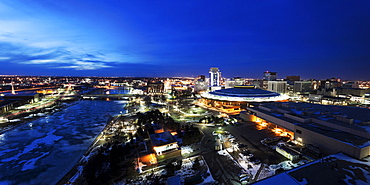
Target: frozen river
{"points": [[42, 151]]}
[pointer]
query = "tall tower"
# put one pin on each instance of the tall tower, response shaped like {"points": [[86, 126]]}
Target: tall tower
{"points": [[13, 91], [214, 76]]}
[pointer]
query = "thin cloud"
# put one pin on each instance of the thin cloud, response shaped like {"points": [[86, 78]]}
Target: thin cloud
{"points": [[86, 65], [53, 58], [4, 58], [41, 61], [55, 41]]}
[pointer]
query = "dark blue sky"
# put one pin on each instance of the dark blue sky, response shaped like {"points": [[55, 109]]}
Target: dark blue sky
{"points": [[313, 39]]}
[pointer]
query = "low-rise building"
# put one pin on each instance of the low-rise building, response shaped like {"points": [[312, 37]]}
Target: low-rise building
{"points": [[287, 152], [331, 128], [163, 143], [155, 88], [7, 105], [332, 169]]}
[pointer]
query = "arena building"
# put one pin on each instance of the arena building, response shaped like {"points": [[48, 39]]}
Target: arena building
{"points": [[234, 100]]}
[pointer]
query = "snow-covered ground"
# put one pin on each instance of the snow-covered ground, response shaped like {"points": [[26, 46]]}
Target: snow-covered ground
{"points": [[186, 150], [187, 171]]}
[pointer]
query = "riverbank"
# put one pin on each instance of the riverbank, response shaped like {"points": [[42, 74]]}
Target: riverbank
{"points": [[31, 116], [74, 174]]}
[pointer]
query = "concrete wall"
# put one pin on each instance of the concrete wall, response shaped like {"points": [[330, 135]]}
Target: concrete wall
{"points": [[274, 120], [6, 108], [247, 117]]}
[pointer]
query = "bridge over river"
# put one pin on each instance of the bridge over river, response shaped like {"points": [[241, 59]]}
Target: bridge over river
{"points": [[110, 96]]}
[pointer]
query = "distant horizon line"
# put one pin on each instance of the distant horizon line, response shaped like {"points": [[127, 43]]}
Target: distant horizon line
{"points": [[169, 77]]}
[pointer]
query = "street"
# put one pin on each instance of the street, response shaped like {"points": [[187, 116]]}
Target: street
{"points": [[223, 170]]}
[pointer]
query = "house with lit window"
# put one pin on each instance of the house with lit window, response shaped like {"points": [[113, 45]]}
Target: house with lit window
{"points": [[164, 143]]}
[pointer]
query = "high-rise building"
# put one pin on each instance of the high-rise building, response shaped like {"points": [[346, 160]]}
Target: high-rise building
{"points": [[202, 77], [214, 76], [269, 76], [230, 83], [291, 79], [353, 84], [302, 86], [277, 86], [258, 83], [200, 86], [155, 88]]}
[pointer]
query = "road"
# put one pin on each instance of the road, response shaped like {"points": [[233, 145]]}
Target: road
{"points": [[223, 170]]}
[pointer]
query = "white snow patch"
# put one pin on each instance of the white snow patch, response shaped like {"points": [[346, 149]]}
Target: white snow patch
{"points": [[78, 173], [186, 150], [49, 139], [347, 179], [30, 164], [223, 152], [6, 151]]}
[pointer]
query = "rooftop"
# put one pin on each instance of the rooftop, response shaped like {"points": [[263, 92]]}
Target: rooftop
{"points": [[333, 169], [244, 94], [162, 138], [324, 113], [329, 113], [337, 134]]}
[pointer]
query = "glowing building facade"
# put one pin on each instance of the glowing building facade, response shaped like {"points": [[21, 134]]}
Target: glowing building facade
{"points": [[214, 76], [277, 86], [234, 100]]}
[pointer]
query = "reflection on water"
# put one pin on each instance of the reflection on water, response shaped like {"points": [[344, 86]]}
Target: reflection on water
{"points": [[42, 151]]}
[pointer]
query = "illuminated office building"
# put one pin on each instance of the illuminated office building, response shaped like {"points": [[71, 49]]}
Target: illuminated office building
{"points": [[277, 86], [214, 76]]}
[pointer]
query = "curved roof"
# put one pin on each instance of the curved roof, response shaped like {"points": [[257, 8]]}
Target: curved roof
{"points": [[241, 92], [244, 95]]}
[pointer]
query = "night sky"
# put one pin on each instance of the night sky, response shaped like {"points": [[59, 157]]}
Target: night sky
{"points": [[313, 39]]}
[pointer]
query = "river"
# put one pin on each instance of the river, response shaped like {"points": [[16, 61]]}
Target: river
{"points": [[43, 150]]}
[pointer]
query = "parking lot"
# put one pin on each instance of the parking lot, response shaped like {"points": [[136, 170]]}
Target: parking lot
{"points": [[248, 138], [247, 133]]}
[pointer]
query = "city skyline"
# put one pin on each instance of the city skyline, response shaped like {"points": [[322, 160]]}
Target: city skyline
{"points": [[122, 38]]}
